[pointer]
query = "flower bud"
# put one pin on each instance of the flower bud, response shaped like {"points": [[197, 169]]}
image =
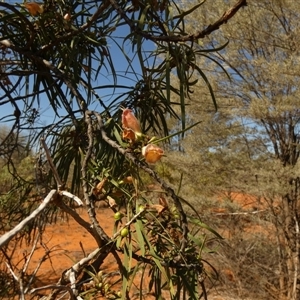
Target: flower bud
{"points": [[129, 121], [67, 17]]}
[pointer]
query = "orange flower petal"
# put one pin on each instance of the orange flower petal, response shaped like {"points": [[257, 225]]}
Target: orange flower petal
{"points": [[85, 68], [34, 8], [128, 134], [128, 179], [163, 202], [129, 121], [67, 17], [159, 208], [152, 153]]}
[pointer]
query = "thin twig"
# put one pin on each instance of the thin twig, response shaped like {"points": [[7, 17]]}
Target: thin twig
{"points": [[18, 280], [75, 216], [61, 204], [52, 166], [80, 265], [31, 253], [33, 275], [12, 272], [240, 213], [53, 287], [128, 223]]}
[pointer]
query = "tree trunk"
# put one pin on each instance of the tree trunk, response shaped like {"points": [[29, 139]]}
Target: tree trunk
{"points": [[290, 226]]}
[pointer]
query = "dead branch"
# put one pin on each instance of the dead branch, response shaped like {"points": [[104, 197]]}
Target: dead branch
{"points": [[52, 286], [52, 166], [72, 197], [240, 213]]}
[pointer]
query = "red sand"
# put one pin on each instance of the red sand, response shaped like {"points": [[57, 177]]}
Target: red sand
{"points": [[63, 241]]}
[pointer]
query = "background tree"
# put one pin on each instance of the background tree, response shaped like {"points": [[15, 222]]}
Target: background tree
{"points": [[255, 145], [56, 56]]}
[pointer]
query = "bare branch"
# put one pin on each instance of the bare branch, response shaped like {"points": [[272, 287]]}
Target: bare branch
{"points": [[12, 272], [72, 197], [52, 286], [51, 164], [241, 213], [79, 265], [31, 253]]}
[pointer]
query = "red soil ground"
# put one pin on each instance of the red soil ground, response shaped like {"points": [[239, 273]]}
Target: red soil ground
{"points": [[65, 240]]}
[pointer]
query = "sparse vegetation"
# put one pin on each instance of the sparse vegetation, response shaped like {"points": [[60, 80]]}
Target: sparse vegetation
{"points": [[89, 67], [128, 105]]}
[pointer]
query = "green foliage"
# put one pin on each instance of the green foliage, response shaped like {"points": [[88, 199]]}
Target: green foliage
{"points": [[17, 182], [153, 240], [251, 145], [84, 64]]}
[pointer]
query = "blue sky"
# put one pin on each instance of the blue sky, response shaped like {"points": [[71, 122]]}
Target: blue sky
{"points": [[46, 115]]}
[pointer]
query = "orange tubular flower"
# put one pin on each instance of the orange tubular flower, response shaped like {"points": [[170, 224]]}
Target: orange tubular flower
{"points": [[129, 121], [67, 17], [128, 134], [34, 8], [152, 153]]}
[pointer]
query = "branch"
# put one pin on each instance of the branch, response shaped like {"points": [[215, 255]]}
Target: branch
{"points": [[240, 213], [76, 217], [37, 268], [128, 223], [16, 278], [79, 265], [52, 166], [51, 286], [23, 271], [68, 210], [61, 204], [59, 182], [72, 197], [5, 238], [103, 237]]}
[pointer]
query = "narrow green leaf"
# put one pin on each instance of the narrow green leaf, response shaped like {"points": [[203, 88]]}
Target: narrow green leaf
{"points": [[168, 76], [125, 273], [176, 133], [203, 225], [197, 241], [208, 85], [140, 237]]}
